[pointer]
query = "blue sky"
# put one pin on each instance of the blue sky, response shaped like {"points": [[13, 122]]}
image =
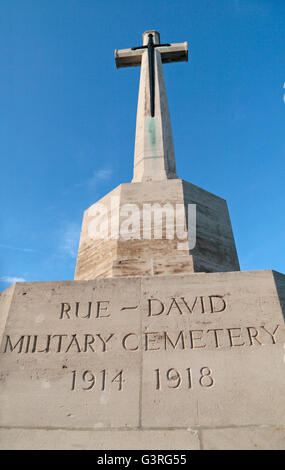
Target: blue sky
{"points": [[68, 119]]}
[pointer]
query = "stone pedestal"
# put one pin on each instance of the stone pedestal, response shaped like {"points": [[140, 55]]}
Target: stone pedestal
{"points": [[142, 255], [183, 361]]}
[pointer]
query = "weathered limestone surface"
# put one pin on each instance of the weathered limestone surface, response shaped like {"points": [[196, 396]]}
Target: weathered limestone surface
{"points": [[5, 302], [40, 439], [242, 438], [215, 249], [120, 362]]}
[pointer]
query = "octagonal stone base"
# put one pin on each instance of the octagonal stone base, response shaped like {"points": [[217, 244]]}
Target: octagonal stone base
{"points": [[141, 254]]}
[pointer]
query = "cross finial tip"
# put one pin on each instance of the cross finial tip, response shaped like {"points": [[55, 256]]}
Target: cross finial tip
{"points": [[155, 35]]}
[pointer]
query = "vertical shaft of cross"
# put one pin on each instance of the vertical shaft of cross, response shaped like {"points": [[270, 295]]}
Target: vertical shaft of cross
{"points": [[154, 158]]}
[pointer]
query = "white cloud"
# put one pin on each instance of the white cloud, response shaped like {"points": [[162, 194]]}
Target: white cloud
{"points": [[31, 250], [11, 279], [103, 174], [98, 176]]}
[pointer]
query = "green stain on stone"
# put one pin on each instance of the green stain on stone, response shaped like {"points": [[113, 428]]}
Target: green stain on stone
{"points": [[151, 131]]}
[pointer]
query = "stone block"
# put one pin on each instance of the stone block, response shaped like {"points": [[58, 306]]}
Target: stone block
{"points": [[159, 353], [244, 438], [67, 439]]}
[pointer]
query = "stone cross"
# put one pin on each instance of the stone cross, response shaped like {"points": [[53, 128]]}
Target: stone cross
{"points": [[154, 151]]}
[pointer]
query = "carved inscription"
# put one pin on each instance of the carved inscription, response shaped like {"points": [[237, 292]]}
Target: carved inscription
{"points": [[89, 380], [58, 343], [83, 332], [174, 379], [97, 309], [171, 378], [154, 307], [183, 305], [208, 338], [198, 309]]}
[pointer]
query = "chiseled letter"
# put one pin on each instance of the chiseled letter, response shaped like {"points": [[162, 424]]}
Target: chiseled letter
{"points": [[271, 334], [100, 308], [20, 340], [180, 336], [89, 339], [232, 336], [215, 331], [77, 310], [63, 310], [124, 342], [192, 339], [148, 340], [174, 304], [253, 335], [150, 312], [223, 306], [74, 341], [105, 341]]}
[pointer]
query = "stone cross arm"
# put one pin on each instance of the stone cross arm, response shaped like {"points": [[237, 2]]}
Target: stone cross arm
{"points": [[177, 52]]}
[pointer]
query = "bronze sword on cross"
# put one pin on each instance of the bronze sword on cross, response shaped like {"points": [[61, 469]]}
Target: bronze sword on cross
{"points": [[169, 53], [150, 49]]}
